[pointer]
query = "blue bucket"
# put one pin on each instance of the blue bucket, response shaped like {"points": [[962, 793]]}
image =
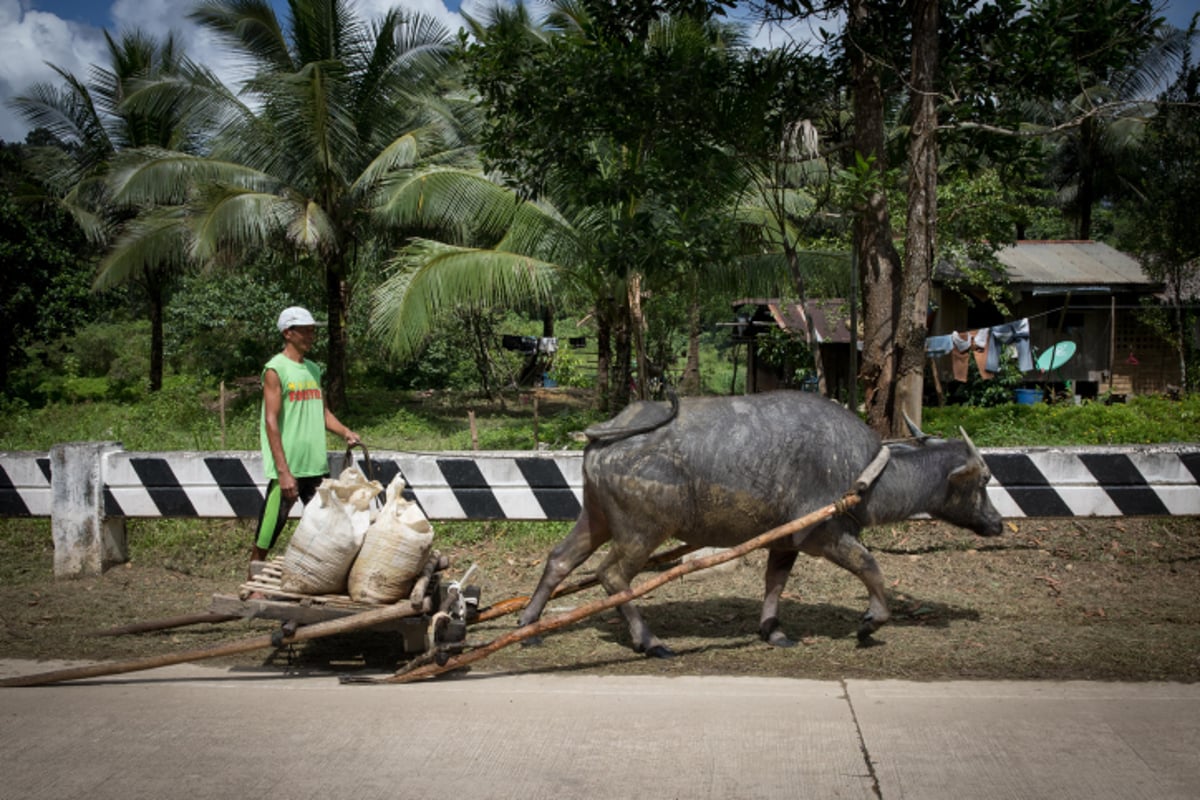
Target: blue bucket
{"points": [[1028, 397]]}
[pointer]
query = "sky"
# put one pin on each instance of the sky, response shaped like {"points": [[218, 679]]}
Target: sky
{"points": [[69, 34]]}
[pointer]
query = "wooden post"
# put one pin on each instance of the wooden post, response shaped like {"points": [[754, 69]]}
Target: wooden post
{"points": [[535, 421], [474, 431], [222, 415], [937, 382]]}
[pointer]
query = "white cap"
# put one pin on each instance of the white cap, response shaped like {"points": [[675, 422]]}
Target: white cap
{"points": [[295, 315]]}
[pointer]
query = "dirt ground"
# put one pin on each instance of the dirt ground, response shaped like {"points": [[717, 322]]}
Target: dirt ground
{"points": [[1089, 599]]}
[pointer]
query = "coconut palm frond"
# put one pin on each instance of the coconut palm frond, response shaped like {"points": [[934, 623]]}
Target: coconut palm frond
{"points": [[463, 203], [155, 241], [433, 278], [250, 28], [402, 153], [150, 176], [234, 217], [311, 228]]}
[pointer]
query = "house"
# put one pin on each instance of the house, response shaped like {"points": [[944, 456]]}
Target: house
{"points": [[1082, 292], [831, 323]]}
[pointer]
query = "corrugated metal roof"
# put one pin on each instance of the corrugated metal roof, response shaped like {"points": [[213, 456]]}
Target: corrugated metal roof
{"points": [[1084, 263]]}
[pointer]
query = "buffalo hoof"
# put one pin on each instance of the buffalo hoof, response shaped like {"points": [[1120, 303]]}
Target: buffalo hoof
{"points": [[867, 640], [777, 638], [657, 651], [770, 632]]}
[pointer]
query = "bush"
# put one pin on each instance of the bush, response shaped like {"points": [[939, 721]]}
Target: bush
{"points": [[223, 326], [1143, 420]]}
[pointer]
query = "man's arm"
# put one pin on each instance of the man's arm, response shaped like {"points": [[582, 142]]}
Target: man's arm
{"points": [[334, 426]]}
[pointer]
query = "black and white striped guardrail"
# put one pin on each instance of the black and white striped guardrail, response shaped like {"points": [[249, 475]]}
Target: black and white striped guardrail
{"points": [[1041, 482], [448, 486]]}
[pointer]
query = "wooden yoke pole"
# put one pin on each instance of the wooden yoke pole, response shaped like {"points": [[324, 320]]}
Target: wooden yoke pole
{"points": [[850, 500], [514, 604], [315, 631]]}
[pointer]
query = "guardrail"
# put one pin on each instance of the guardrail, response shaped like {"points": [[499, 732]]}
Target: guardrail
{"points": [[88, 489]]}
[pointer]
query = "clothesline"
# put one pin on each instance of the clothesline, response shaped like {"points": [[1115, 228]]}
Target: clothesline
{"points": [[1010, 322], [986, 345]]}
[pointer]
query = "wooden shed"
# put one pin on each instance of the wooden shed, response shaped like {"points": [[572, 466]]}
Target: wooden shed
{"points": [[831, 321]]}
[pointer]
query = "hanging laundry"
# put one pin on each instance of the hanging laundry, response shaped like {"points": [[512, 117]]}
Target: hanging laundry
{"points": [[960, 356], [938, 346], [1015, 333], [979, 348]]}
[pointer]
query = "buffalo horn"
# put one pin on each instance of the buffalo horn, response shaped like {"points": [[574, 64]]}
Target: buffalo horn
{"points": [[975, 454], [916, 432]]}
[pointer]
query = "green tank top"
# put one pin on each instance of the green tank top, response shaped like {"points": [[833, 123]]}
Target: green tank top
{"points": [[301, 419]]}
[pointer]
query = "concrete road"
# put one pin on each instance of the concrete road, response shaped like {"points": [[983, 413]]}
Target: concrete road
{"points": [[197, 732]]}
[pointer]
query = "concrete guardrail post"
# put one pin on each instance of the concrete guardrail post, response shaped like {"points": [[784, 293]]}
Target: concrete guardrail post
{"points": [[85, 542]]}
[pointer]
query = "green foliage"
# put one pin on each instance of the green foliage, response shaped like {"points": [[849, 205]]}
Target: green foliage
{"points": [[102, 360], [855, 184], [223, 325], [1143, 420], [570, 369], [788, 353], [721, 365], [185, 415], [995, 391], [46, 275]]}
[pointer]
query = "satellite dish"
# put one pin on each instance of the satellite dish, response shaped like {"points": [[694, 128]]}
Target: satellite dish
{"points": [[1055, 356]]}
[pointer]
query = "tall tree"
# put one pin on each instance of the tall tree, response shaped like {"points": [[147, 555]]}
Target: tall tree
{"points": [[334, 107], [1108, 58], [45, 280], [920, 230], [1161, 214], [92, 121], [646, 104]]}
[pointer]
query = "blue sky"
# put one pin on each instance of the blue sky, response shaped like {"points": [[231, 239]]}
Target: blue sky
{"points": [[68, 33]]}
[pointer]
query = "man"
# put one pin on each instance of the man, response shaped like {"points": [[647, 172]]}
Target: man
{"points": [[294, 420]]}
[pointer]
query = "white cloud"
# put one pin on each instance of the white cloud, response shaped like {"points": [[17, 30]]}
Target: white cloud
{"points": [[27, 41], [374, 9]]}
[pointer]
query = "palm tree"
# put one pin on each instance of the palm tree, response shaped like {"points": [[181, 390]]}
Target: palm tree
{"points": [[333, 109], [1100, 127], [95, 126]]}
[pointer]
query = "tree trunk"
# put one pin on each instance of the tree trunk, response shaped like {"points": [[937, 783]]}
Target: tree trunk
{"points": [[1181, 331], [481, 333], [637, 330], [154, 290], [335, 370], [879, 263], [920, 244], [1087, 178], [689, 383], [622, 359], [604, 356]]}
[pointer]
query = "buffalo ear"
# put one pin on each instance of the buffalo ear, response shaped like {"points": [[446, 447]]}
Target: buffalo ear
{"points": [[967, 473]]}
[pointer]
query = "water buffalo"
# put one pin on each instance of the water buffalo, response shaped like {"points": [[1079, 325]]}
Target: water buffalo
{"points": [[718, 471]]}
